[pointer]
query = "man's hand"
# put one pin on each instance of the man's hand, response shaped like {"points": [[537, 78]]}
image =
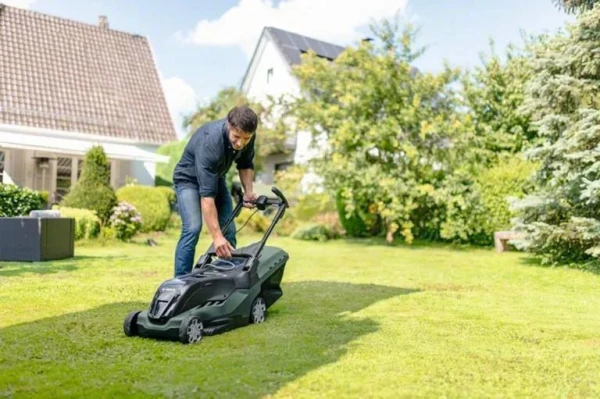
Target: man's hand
{"points": [[249, 197], [223, 248]]}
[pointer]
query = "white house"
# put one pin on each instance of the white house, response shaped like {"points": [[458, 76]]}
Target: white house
{"points": [[269, 73], [66, 86]]}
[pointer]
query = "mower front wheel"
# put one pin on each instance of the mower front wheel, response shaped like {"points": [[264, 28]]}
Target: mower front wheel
{"points": [[258, 312], [191, 330], [130, 324]]}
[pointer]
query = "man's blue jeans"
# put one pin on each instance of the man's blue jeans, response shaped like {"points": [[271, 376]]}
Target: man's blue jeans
{"points": [[188, 202]]}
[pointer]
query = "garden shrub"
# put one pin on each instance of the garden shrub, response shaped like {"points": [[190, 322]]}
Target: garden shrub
{"points": [[87, 223], [360, 223], [331, 220], [93, 190], [286, 225], [108, 233], [152, 204], [18, 201], [478, 207], [310, 205], [259, 223], [497, 185], [45, 198], [125, 220], [312, 232], [169, 193]]}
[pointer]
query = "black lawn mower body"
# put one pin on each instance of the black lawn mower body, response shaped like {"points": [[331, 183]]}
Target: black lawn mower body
{"points": [[219, 294]]}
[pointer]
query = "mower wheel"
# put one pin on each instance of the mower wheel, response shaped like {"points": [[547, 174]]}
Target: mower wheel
{"points": [[130, 324], [258, 311], [191, 330]]}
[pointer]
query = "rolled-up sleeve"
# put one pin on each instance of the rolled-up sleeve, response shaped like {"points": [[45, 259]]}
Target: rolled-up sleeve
{"points": [[207, 163], [246, 160]]}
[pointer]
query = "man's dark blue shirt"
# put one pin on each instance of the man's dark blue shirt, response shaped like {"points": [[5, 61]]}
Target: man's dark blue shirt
{"points": [[208, 156]]}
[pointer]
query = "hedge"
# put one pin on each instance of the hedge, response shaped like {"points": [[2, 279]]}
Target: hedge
{"points": [[150, 202], [87, 223], [19, 201]]}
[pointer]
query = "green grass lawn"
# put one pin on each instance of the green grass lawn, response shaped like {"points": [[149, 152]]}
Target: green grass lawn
{"points": [[360, 319]]}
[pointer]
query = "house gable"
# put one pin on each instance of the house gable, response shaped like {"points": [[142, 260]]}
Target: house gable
{"points": [[268, 72], [277, 51]]}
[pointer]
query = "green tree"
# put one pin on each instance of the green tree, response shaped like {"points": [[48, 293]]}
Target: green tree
{"points": [[475, 200], [494, 93], [575, 6], [388, 134], [561, 218], [93, 190]]}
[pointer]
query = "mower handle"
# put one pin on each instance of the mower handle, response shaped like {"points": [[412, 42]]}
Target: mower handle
{"points": [[263, 201], [234, 254], [278, 193]]}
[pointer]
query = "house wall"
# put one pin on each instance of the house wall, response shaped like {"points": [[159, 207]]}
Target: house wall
{"points": [[271, 164], [270, 74], [142, 172], [22, 168]]}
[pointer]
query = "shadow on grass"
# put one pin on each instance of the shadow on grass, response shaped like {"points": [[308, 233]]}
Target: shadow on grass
{"points": [[103, 257], [87, 353], [591, 267], [13, 269], [415, 245], [17, 269]]}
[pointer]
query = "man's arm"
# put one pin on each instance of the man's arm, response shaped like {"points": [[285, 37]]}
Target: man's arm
{"points": [[245, 166], [209, 211], [206, 169], [247, 179]]}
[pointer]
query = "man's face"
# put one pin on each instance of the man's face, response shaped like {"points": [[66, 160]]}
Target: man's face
{"points": [[238, 138]]}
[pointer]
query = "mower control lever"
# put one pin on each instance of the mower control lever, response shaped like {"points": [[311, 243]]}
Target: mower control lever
{"points": [[262, 202]]}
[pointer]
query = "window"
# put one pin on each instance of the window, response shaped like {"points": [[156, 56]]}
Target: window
{"points": [[2, 158], [269, 74], [63, 177], [283, 166]]}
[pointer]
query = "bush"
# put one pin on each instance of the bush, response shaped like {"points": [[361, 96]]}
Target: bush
{"points": [[476, 208], [45, 198], [310, 205], [360, 223], [125, 220], [313, 232], [259, 223], [509, 179], [169, 193], [152, 204], [331, 220], [18, 201], [93, 190], [87, 223], [286, 225]]}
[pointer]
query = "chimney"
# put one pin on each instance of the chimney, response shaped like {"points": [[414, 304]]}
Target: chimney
{"points": [[103, 22]]}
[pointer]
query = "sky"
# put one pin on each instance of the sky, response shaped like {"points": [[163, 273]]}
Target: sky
{"points": [[202, 46]]}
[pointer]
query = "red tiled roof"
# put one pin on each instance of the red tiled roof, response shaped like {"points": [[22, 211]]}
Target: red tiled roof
{"points": [[65, 75]]}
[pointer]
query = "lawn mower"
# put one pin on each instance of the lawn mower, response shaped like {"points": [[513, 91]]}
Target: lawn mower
{"points": [[218, 295]]}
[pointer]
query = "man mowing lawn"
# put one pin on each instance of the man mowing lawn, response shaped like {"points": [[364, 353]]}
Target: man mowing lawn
{"points": [[199, 179]]}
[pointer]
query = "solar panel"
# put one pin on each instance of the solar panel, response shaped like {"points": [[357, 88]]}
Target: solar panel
{"points": [[293, 44]]}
